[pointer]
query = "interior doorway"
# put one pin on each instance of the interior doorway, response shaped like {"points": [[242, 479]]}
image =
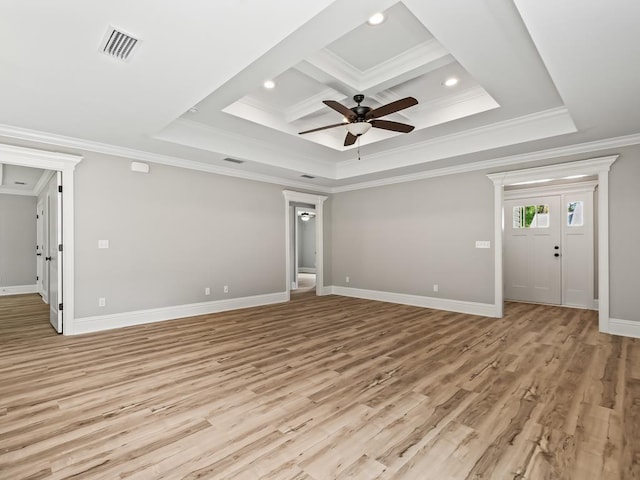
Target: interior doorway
{"points": [[304, 245], [60, 230], [297, 203]]}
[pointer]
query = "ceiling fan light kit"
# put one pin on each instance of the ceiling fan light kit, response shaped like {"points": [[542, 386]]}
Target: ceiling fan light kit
{"points": [[360, 119], [358, 128]]}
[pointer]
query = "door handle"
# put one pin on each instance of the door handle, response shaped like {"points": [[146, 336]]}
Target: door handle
{"points": [[38, 254], [556, 247], [48, 259], [556, 254]]}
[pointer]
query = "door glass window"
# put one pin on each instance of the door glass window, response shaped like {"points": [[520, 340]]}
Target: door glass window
{"points": [[531, 216], [574, 214]]}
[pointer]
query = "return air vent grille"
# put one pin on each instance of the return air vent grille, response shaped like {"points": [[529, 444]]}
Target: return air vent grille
{"points": [[233, 160], [307, 176], [118, 44]]}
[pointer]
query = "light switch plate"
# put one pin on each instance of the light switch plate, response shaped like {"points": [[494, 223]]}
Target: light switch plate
{"points": [[103, 243], [483, 244]]}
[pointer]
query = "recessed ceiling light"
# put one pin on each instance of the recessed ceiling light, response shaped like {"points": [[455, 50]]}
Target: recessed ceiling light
{"points": [[269, 84], [376, 19], [450, 82]]}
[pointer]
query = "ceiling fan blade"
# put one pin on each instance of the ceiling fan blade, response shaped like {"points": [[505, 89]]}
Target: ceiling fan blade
{"points": [[323, 128], [350, 139], [341, 109], [392, 107], [394, 126]]}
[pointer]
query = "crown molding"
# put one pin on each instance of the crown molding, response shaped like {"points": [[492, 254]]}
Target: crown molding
{"points": [[69, 142], [592, 166], [312, 104], [413, 59], [106, 149], [545, 124], [578, 149], [32, 157]]}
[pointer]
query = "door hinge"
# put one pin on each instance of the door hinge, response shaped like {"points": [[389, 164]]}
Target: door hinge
{"points": [[60, 247], [60, 188], [60, 306]]}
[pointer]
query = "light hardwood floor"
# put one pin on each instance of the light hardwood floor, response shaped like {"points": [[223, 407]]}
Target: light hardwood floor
{"points": [[320, 388]]}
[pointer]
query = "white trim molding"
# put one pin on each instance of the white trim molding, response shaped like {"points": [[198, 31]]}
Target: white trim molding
{"points": [[317, 201], [595, 166], [18, 290], [459, 306], [140, 317], [624, 328]]}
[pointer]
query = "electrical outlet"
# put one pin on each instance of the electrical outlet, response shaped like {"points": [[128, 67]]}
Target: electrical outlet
{"points": [[102, 302], [346, 279], [207, 291], [226, 289], [435, 287]]}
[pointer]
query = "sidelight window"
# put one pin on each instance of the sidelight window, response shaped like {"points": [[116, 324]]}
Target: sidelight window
{"points": [[574, 214]]}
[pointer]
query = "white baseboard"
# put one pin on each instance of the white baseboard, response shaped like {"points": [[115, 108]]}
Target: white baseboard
{"points": [[18, 289], [139, 317], [472, 308], [624, 328], [306, 270]]}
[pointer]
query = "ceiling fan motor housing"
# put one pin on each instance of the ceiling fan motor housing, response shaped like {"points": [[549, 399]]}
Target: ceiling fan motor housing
{"points": [[360, 110]]}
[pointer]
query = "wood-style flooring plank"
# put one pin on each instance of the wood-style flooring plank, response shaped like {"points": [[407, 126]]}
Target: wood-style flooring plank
{"points": [[320, 388]]}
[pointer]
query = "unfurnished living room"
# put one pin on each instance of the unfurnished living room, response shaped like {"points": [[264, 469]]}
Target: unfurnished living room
{"points": [[339, 239]]}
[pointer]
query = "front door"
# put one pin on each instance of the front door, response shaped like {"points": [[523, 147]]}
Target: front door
{"points": [[533, 267]]}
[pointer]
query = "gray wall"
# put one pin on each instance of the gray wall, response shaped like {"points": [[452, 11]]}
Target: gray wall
{"points": [[624, 235], [307, 243], [17, 240], [404, 238], [172, 233]]}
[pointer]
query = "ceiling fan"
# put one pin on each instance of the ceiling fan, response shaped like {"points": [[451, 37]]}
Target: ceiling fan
{"points": [[360, 119]]}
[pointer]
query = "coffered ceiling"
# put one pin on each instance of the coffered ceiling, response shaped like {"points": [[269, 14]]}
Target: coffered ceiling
{"points": [[531, 77]]}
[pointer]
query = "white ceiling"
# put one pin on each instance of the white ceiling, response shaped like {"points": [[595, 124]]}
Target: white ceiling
{"points": [[19, 180], [533, 76]]}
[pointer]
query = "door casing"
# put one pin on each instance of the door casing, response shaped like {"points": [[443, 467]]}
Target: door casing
{"points": [[596, 166]]}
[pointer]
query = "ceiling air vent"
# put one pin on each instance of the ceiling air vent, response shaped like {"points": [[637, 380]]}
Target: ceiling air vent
{"points": [[307, 176], [118, 44], [233, 160]]}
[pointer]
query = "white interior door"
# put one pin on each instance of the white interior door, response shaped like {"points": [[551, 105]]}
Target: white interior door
{"points": [[40, 247], [532, 250], [55, 257], [46, 229]]}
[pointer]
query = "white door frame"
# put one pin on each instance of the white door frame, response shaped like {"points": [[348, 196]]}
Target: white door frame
{"points": [[29, 157], [317, 201], [595, 166]]}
